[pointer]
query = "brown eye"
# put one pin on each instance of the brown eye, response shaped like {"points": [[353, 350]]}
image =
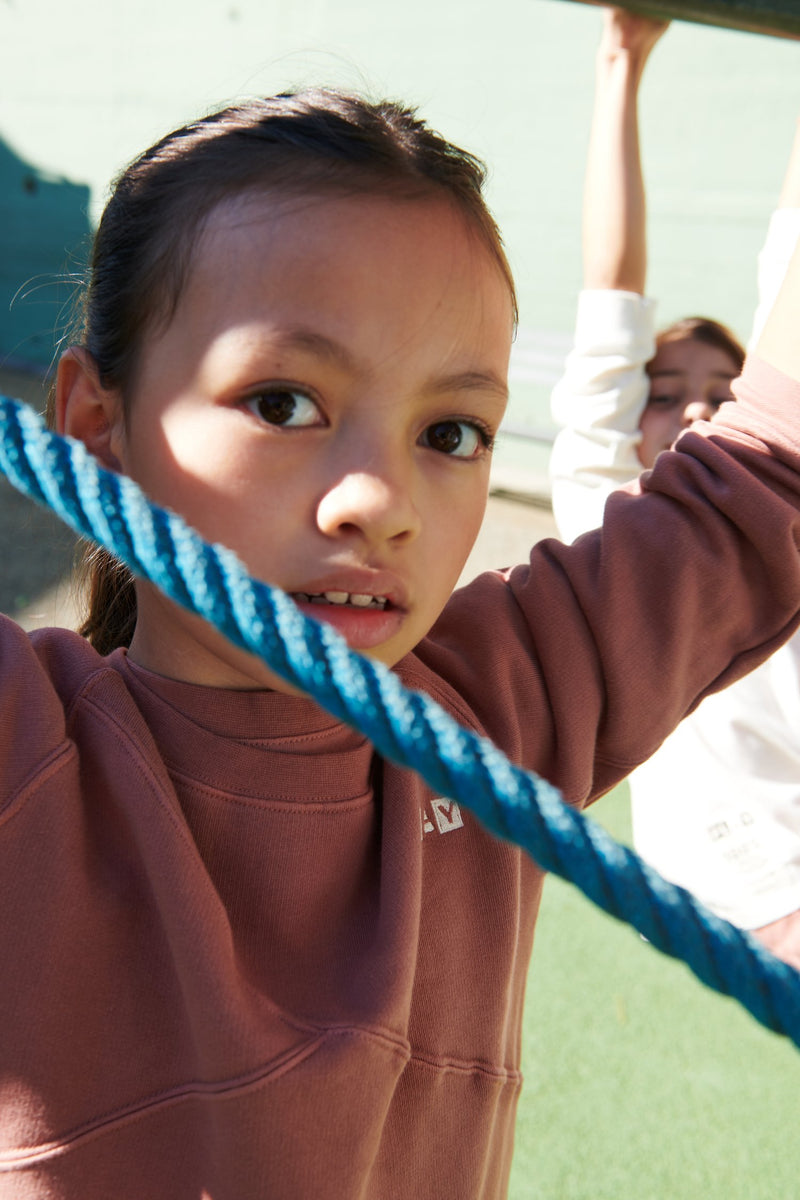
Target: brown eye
{"points": [[663, 401], [460, 439], [284, 406]]}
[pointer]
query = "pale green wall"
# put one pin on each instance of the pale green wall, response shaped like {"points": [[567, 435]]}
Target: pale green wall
{"points": [[86, 84]]}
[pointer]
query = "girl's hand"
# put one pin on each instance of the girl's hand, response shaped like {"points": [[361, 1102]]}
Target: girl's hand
{"points": [[630, 33]]}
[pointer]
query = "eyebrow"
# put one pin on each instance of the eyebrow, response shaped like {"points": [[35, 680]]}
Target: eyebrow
{"points": [[318, 344], [473, 381]]}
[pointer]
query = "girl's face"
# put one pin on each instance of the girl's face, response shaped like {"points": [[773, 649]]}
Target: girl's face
{"points": [[689, 380], [323, 402]]}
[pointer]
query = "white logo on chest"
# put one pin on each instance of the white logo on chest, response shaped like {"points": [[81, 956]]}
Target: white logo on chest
{"points": [[441, 814]]}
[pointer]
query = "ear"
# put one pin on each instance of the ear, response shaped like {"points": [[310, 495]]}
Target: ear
{"points": [[86, 410]]}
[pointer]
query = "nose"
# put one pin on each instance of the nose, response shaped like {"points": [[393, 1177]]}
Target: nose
{"points": [[370, 505], [698, 408]]}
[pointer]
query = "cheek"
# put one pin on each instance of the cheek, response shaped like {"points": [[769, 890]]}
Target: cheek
{"points": [[472, 525], [657, 423], [651, 439], [180, 461], [455, 530]]}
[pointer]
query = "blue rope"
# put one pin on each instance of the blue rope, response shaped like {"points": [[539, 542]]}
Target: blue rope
{"points": [[405, 726]]}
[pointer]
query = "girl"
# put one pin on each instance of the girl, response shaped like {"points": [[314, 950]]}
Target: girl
{"points": [[717, 809], [243, 957]]}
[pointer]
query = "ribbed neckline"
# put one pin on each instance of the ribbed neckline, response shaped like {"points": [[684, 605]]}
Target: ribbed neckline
{"points": [[259, 745], [244, 715]]}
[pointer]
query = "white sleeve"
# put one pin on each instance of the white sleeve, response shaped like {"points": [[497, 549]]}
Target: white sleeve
{"points": [[717, 807], [598, 403], [782, 234]]}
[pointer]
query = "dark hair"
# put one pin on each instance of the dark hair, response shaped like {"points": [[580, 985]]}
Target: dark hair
{"points": [[313, 142], [706, 330]]}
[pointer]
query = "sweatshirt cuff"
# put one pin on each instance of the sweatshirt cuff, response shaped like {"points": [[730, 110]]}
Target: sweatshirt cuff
{"points": [[613, 322]]}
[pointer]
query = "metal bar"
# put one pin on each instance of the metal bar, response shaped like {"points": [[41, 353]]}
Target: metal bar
{"points": [[777, 18]]}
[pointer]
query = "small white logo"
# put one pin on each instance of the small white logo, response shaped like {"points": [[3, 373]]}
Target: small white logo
{"points": [[446, 816]]}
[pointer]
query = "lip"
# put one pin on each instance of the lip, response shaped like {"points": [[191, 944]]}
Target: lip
{"points": [[365, 583], [362, 628]]}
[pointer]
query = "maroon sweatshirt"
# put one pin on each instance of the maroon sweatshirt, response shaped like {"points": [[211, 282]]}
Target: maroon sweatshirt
{"points": [[243, 958]]}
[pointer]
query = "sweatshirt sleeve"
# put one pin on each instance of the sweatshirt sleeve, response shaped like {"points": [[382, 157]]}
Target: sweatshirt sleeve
{"points": [[580, 662], [598, 404], [32, 730]]}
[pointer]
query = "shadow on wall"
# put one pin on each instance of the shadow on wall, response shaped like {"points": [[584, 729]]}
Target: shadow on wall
{"points": [[37, 550], [44, 239]]}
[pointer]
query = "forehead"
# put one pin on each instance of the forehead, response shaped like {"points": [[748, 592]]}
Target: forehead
{"points": [[387, 278], [689, 356], [310, 237]]}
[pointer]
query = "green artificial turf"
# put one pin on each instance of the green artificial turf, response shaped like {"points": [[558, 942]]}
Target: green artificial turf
{"points": [[641, 1083]]}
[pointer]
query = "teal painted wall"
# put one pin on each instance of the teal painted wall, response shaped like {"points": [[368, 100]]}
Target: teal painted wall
{"points": [[44, 232], [88, 84]]}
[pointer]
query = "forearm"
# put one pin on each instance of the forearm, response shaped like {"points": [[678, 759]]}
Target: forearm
{"points": [[778, 343], [782, 236], [614, 211], [790, 189]]}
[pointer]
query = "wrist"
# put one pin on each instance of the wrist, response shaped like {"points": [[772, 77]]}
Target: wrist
{"points": [[622, 59]]}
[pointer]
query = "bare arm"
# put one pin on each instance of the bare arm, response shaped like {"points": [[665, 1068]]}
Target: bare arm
{"points": [[599, 400], [782, 235], [614, 230], [790, 191], [779, 344]]}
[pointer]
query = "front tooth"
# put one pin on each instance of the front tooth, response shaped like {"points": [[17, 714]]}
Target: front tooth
{"points": [[361, 600], [336, 597]]}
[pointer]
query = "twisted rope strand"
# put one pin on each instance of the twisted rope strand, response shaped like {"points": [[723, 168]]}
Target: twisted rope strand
{"points": [[405, 726]]}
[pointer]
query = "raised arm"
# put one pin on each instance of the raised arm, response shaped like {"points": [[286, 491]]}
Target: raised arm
{"points": [[614, 211], [778, 343], [790, 189], [782, 236], [600, 399]]}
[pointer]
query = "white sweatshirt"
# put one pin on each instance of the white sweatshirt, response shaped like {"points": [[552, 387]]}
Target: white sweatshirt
{"points": [[717, 808]]}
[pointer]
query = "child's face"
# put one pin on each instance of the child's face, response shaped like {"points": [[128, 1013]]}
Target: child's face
{"points": [[321, 402], [689, 380]]}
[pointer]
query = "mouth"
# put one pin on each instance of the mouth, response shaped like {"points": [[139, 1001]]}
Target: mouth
{"points": [[366, 620], [360, 600]]}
